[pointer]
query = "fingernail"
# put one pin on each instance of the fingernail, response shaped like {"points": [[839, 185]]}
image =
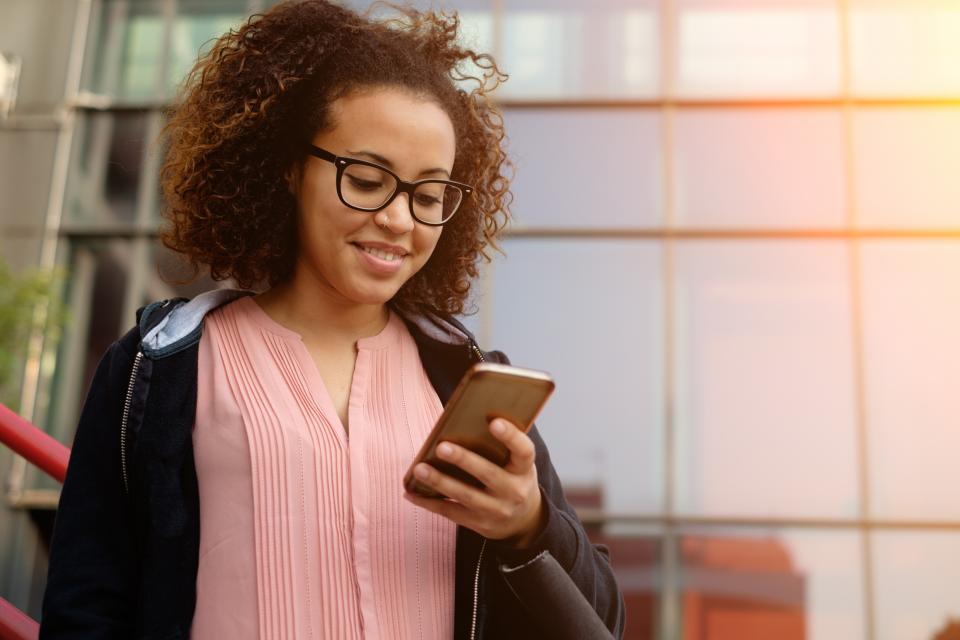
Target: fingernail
{"points": [[444, 450], [421, 471], [498, 426]]}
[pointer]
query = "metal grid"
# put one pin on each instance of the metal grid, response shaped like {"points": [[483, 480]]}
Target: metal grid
{"points": [[672, 525]]}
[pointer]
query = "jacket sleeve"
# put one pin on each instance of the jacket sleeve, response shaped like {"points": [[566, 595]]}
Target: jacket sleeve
{"points": [[564, 537], [90, 589]]}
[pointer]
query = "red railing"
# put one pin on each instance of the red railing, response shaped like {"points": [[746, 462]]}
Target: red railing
{"points": [[33, 444], [50, 455], [15, 624]]}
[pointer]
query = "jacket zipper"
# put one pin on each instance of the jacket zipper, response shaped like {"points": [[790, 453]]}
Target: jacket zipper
{"points": [[128, 400], [476, 591], [477, 351], [476, 574]]}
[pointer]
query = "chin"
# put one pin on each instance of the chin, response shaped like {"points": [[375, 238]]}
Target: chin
{"points": [[372, 295]]}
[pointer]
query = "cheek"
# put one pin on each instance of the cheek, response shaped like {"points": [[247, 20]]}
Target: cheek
{"points": [[324, 220], [428, 239]]}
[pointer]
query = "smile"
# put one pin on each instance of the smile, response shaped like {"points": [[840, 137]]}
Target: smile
{"points": [[389, 256], [383, 260]]}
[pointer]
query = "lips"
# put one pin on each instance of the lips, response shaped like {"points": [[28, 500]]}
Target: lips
{"points": [[381, 258], [383, 254]]}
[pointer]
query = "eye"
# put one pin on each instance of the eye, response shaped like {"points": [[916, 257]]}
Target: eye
{"points": [[426, 200], [364, 184]]}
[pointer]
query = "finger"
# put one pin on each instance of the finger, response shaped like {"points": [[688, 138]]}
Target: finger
{"points": [[522, 451], [492, 476], [470, 497], [458, 514], [450, 510]]}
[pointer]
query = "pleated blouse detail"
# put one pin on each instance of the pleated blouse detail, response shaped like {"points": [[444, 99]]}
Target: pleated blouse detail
{"points": [[304, 532]]}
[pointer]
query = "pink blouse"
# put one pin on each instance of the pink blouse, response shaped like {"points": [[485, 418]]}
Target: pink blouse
{"points": [[304, 532]]}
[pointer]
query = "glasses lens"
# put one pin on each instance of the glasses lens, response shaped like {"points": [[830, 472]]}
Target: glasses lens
{"points": [[366, 187], [436, 201]]}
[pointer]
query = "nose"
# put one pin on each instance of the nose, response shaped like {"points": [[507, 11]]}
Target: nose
{"points": [[396, 216]]}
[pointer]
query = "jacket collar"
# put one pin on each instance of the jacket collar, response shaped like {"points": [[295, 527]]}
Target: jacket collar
{"points": [[170, 326]]}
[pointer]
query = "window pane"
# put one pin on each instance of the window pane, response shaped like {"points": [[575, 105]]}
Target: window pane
{"points": [[911, 307], [167, 274], [788, 585], [580, 168], [106, 170], [133, 36], [142, 54], [106, 299], [26, 158], [129, 50], [476, 32], [476, 25], [589, 312], [764, 388], [760, 168], [197, 25], [750, 48], [635, 558], [916, 576], [568, 49], [906, 167], [905, 47]]}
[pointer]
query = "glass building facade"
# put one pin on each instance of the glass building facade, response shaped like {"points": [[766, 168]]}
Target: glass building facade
{"points": [[736, 246]]}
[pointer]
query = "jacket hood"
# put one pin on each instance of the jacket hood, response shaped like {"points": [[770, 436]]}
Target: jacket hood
{"points": [[169, 326]]}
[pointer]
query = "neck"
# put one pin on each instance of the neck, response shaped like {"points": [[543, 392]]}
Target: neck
{"points": [[317, 313]]}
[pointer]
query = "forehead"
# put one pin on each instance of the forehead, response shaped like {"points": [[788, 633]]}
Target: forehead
{"points": [[394, 123]]}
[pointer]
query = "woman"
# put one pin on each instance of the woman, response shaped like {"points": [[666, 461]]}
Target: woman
{"points": [[237, 471]]}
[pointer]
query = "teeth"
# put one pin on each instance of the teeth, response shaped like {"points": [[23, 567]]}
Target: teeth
{"points": [[389, 256]]}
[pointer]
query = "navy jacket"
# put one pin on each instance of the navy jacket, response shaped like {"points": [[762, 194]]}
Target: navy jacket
{"points": [[126, 539]]}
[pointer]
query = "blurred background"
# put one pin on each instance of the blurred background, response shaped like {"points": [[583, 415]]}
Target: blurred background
{"points": [[736, 246]]}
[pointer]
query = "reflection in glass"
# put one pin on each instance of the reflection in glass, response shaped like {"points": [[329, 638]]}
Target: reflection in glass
{"points": [[916, 575], [144, 48], [568, 307], [569, 49], [753, 48], [788, 585], [905, 167], [760, 168], [105, 181], [168, 276], [125, 50], [476, 32], [581, 169], [197, 26], [476, 26], [911, 312], [112, 260], [142, 56], [635, 558], [905, 47], [764, 380]]}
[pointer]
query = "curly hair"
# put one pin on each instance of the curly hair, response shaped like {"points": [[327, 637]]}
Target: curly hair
{"points": [[262, 90]]}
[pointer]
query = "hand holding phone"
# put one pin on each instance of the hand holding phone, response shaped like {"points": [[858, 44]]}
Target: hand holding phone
{"points": [[487, 391]]}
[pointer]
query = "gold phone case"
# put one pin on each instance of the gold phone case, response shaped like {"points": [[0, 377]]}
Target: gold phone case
{"points": [[487, 391]]}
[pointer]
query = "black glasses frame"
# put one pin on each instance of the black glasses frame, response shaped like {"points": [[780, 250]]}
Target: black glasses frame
{"points": [[408, 188]]}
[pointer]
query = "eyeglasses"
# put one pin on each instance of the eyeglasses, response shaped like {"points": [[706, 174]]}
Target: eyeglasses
{"points": [[366, 186]]}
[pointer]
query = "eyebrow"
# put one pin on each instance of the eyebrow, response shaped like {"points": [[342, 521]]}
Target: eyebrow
{"points": [[379, 159]]}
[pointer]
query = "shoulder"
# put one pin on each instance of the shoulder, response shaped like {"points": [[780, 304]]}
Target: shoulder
{"points": [[169, 326]]}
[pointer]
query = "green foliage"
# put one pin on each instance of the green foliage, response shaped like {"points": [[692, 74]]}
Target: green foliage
{"points": [[21, 297]]}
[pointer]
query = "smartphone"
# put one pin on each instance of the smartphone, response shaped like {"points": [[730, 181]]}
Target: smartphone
{"points": [[487, 391]]}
